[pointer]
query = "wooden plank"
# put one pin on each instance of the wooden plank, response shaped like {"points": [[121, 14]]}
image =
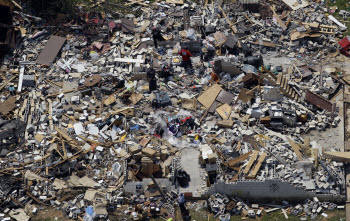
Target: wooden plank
{"points": [[63, 133], [251, 161], [64, 148], [338, 156], [264, 43], [50, 114], [20, 114], [176, 2], [347, 205], [239, 159], [278, 19], [233, 27], [256, 168], [16, 4], [6, 83], [296, 148]]}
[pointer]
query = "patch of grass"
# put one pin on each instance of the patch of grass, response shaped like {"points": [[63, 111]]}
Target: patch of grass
{"points": [[202, 215], [49, 214], [341, 5]]}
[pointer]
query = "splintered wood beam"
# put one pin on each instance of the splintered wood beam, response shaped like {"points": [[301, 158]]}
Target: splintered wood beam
{"points": [[251, 161], [296, 148], [233, 27], [64, 134], [239, 159], [256, 168]]}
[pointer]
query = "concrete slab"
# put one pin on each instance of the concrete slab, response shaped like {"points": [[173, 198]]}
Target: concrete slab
{"points": [[331, 138], [190, 163]]}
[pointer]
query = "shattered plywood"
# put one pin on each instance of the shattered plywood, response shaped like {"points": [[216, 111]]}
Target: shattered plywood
{"points": [[224, 111], [8, 105], [296, 4], [296, 148], [256, 168], [135, 98], [209, 96], [245, 96], [225, 123], [19, 215], [251, 161], [149, 152], [241, 158], [298, 35], [59, 184], [75, 181], [110, 100], [32, 176]]}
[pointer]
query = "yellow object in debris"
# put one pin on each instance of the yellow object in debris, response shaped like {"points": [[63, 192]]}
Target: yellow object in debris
{"points": [[122, 138]]}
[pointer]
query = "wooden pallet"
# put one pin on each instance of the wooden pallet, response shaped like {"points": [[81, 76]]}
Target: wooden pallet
{"points": [[286, 89]]}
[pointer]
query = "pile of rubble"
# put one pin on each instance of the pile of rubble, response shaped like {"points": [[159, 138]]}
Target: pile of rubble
{"points": [[128, 116], [310, 208]]}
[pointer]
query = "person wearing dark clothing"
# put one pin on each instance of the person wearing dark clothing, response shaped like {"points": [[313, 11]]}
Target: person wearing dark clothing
{"points": [[12, 89], [151, 77], [166, 72], [157, 36], [184, 211], [151, 73], [186, 58], [152, 84]]}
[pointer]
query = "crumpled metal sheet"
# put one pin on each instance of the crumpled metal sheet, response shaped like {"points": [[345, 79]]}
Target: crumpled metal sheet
{"points": [[319, 101]]}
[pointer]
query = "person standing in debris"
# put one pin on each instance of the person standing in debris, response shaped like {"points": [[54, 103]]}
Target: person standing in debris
{"points": [[184, 212], [151, 73], [151, 76], [12, 89], [181, 201], [186, 58], [157, 36], [166, 72], [208, 51]]}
